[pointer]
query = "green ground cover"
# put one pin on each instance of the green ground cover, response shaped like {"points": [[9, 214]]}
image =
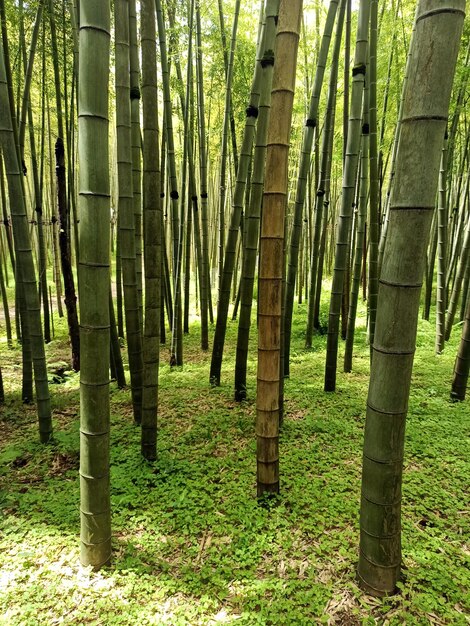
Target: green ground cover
{"points": [[191, 544]]}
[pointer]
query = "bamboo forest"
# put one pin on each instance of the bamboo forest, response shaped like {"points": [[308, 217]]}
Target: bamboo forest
{"points": [[235, 319]]}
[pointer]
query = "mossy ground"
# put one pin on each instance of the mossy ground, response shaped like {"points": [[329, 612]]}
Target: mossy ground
{"points": [[191, 544]]}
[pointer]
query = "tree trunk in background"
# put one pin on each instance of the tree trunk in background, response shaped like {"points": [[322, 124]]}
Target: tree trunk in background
{"points": [[237, 210], [322, 197], [224, 151], [65, 256], [429, 273], [153, 226], [187, 100], [136, 152], [457, 229], [253, 211], [95, 514], [6, 220], [176, 349], [309, 134], [38, 209], [347, 198], [462, 362], [205, 275], [6, 310], [24, 258], [28, 75], [126, 206], [462, 269], [442, 221], [271, 264], [425, 107], [63, 210], [361, 217], [374, 203], [396, 142], [115, 352], [226, 65], [347, 63]]}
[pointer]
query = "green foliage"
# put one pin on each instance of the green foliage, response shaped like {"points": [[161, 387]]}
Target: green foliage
{"points": [[192, 545]]}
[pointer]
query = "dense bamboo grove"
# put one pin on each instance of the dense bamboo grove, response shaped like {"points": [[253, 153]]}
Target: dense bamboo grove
{"points": [[259, 157]]}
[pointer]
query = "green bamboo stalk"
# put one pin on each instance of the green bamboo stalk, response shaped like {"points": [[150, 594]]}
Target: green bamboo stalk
{"points": [[462, 269], [6, 310], [94, 203], [442, 217], [28, 75], [126, 206], [426, 98], [65, 256], [134, 66], [202, 160], [360, 229], [253, 211], [462, 362], [309, 134], [153, 226], [373, 277], [42, 256], [115, 351], [224, 148], [176, 349], [24, 257], [349, 185], [252, 112], [226, 65], [322, 194]]}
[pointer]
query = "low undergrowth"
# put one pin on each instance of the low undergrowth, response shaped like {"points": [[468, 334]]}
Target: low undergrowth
{"points": [[191, 544]]}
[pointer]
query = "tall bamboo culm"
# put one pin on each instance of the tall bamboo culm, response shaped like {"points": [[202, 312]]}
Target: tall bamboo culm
{"points": [[462, 362], [126, 206], [176, 349], [322, 199], [236, 215], [24, 258], [94, 202], [347, 198], [304, 166], [153, 225], [426, 98], [253, 208], [271, 265]]}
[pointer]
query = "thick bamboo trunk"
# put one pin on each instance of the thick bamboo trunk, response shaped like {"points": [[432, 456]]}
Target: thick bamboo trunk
{"points": [[94, 199], [271, 267], [425, 107]]}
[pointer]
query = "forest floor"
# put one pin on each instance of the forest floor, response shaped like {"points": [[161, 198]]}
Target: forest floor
{"points": [[191, 545]]}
